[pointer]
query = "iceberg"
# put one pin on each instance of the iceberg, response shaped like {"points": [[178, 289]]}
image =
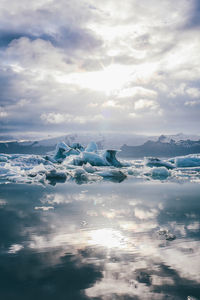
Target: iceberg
{"points": [[187, 161], [90, 155], [91, 147], [88, 164], [93, 159], [3, 158], [110, 156], [156, 162], [63, 150]]}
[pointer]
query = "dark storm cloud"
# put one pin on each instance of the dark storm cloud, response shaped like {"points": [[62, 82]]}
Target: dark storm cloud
{"points": [[74, 38], [67, 38], [6, 37]]}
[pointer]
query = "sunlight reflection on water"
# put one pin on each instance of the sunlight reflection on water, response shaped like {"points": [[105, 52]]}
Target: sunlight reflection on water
{"points": [[100, 241]]}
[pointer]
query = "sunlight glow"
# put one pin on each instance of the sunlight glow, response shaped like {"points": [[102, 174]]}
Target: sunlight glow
{"points": [[107, 238], [109, 80]]}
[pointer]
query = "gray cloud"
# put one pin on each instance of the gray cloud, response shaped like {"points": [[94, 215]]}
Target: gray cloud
{"points": [[103, 66]]}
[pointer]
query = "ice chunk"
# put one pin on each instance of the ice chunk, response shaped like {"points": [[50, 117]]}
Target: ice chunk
{"points": [[188, 161], [63, 150], [110, 156], [160, 173], [94, 159], [4, 171], [91, 147], [90, 155], [3, 158], [156, 162], [77, 146]]}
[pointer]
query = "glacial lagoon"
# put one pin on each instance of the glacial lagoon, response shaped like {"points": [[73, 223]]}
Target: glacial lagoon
{"points": [[137, 239]]}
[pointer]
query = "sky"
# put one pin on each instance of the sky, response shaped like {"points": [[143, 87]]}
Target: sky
{"points": [[100, 66]]}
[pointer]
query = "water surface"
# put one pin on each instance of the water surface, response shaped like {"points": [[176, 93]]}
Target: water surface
{"points": [[100, 241]]}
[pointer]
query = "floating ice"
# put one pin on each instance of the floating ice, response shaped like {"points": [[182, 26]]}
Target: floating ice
{"points": [[63, 150], [3, 158], [91, 147], [94, 159], [110, 156], [188, 161], [74, 162], [156, 162]]}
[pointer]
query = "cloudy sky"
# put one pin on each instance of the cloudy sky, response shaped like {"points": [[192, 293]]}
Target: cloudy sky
{"points": [[109, 65]]}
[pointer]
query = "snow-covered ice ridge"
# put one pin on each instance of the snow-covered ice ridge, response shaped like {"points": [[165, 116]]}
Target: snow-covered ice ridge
{"points": [[89, 164]]}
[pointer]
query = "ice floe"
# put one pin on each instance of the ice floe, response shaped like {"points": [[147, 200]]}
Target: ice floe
{"points": [[82, 165], [156, 162], [188, 161]]}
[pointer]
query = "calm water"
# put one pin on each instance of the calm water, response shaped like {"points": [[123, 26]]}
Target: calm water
{"points": [[129, 240]]}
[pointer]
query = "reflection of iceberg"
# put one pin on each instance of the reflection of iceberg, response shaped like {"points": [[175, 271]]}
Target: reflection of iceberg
{"points": [[160, 173], [54, 175], [116, 175]]}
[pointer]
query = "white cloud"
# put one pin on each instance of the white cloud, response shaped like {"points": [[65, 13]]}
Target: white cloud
{"points": [[36, 55], [58, 118], [137, 91], [3, 113], [191, 103], [143, 104], [118, 62], [193, 92]]}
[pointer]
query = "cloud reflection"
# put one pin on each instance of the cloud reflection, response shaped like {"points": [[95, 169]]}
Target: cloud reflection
{"points": [[112, 231]]}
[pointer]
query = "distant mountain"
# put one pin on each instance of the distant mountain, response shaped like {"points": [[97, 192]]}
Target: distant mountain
{"points": [[176, 137], [131, 145], [161, 148], [112, 141], [24, 148]]}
